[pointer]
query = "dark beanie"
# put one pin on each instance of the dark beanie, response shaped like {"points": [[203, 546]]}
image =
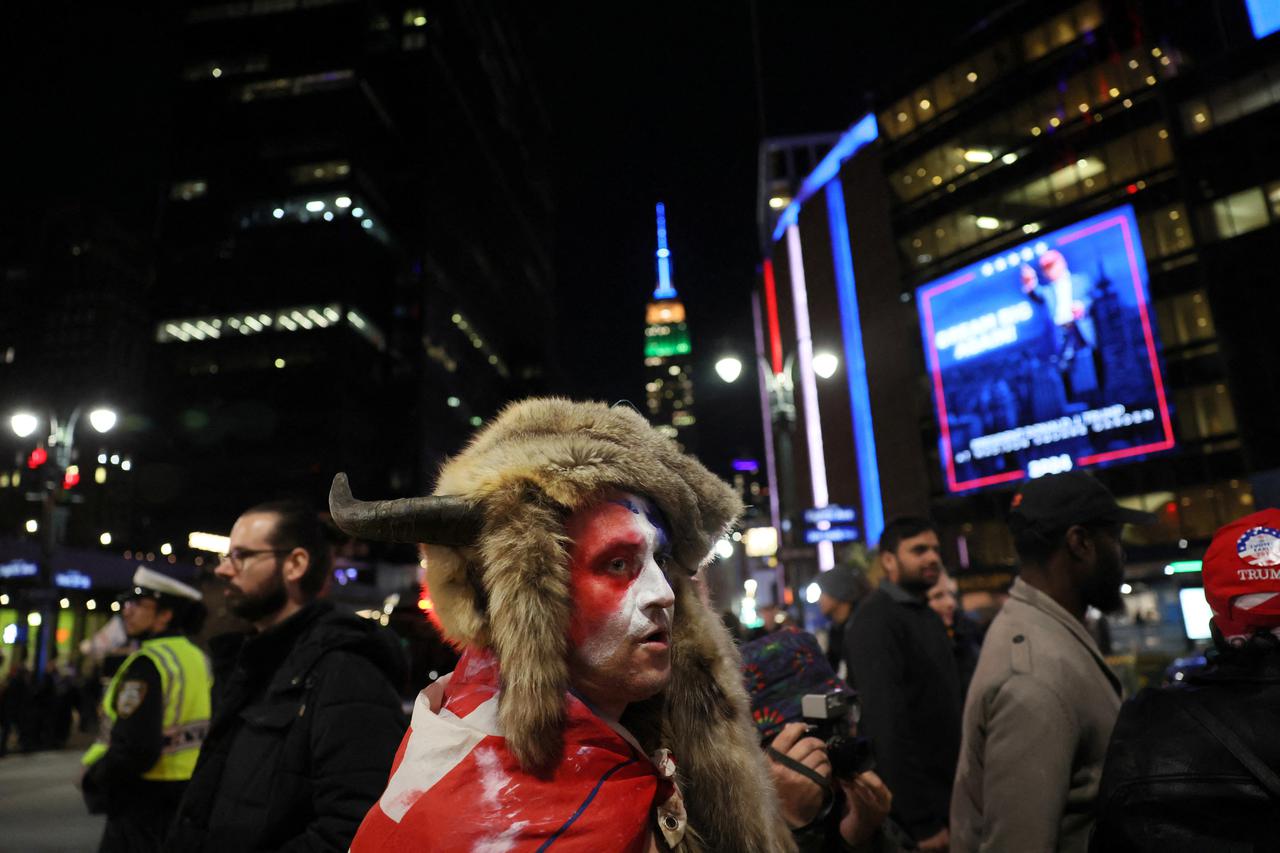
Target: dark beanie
{"points": [[841, 583]]}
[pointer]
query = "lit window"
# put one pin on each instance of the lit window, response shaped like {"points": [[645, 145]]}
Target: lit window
{"points": [[188, 190], [312, 173], [415, 17], [284, 87], [1240, 213]]}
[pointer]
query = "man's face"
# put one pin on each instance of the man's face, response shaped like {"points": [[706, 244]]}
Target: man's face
{"points": [[141, 617], [255, 582], [620, 633], [1101, 577], [827, 605], [917, 563], [942, 599]]}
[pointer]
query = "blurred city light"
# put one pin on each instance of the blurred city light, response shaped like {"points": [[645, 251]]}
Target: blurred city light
{"points": [[23, 424], [33, 619], [724, 548], [812, 593], [978, 155], [825, 364], [166, 549], [214, 542], [91, 605], [729, 368], [749, 587], [105, 538], [1125, 589], [32, 525], [10, 635], [64, 603], [102, 419], [342, 201], [115, 607]]}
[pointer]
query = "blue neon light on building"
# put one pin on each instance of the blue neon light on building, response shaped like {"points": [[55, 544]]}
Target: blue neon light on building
{"points": [[864, 438], [664, 290], [862, 132], [1264, 17]]}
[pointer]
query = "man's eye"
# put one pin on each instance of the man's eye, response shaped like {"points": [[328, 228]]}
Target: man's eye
{"points": [[618, 565], [663, 560]]}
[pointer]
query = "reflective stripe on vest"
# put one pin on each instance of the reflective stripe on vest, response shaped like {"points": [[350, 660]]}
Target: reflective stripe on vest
{"points": [[185, 684]]}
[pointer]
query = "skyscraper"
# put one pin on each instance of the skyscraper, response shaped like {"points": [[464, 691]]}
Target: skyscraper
{"points": [[667, 361]]}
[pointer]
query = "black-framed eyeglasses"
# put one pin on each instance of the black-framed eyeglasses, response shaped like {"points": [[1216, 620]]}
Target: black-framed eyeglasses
{"points": [[237, 556]]}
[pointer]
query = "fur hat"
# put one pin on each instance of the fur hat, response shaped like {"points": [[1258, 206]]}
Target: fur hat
{"points": [[506, 587]]}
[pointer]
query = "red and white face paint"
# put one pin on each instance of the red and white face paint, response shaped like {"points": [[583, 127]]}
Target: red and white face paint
{"points": [[620, 633]]}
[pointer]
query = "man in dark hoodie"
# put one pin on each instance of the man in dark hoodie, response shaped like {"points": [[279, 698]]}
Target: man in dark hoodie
{"points": [[306, 714]]}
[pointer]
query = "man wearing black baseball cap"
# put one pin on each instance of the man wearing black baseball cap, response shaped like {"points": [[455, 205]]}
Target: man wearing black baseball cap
{"points": [[1042, 704]]}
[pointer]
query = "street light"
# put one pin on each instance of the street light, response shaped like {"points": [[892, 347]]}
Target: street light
{"points": [[102, 419], [729, 368], [825, 364], [60, 442], [23, 424]]}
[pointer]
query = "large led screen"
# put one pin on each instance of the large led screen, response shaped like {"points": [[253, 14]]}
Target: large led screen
{"points": [[1044, 358]]}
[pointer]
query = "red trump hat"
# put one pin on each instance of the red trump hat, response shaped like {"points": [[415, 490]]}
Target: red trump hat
{"points": [[1242, 575]]}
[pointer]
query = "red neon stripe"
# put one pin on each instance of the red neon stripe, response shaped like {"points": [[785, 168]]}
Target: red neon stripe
{"points": [[940, 400], [1128, 451], [771, 307]]}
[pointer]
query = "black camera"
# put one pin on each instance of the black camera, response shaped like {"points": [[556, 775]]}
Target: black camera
{"points": [[829, 717]]}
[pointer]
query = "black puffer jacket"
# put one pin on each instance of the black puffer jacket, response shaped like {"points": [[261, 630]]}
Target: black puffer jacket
{"points": [[1170, 786], [306, 722]]}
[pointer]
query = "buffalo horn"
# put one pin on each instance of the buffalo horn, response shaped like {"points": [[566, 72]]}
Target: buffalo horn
{"points": [[436, 520]]}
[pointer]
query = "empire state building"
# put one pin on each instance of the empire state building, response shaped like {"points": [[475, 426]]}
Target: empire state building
{"points": [[667, 359]]}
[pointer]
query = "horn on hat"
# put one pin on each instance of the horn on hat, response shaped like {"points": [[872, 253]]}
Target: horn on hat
{"points": [[436, 520]]}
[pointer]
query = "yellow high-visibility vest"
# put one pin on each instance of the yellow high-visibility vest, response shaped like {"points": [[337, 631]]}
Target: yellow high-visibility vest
{"points": [[185, 684]]}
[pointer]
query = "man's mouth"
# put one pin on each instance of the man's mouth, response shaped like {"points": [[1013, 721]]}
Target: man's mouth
{"points": [[657, 637]]}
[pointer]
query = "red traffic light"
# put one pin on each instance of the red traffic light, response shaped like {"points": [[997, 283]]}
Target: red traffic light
{"points": [[71, 478], [38, 457]]}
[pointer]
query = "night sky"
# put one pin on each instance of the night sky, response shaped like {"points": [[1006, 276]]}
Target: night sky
{"points": [[658, 101]]}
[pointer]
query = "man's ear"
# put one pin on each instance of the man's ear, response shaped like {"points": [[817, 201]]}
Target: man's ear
{"points": [[296, 563], [164, 618], [1080, 543]]}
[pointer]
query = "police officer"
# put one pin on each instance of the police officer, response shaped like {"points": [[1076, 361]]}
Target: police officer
{"points": [[155, 716]]}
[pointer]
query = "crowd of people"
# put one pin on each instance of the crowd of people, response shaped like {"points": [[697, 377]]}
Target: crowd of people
{"points": [[601, 705]]}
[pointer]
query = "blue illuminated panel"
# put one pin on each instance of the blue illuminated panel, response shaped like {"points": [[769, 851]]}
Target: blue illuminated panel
{"points": [[1043, 358], [864, 438], [1264, 16]]}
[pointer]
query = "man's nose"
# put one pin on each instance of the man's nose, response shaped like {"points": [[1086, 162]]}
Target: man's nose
{"points": [[657, 591], [224, 570]]}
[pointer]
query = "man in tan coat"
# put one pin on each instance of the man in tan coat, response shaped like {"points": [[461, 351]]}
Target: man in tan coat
{"points": [[1042, 703]]}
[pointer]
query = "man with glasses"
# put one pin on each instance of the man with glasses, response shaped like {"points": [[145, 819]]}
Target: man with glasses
{"points": [[307, 716], [154, 716]]}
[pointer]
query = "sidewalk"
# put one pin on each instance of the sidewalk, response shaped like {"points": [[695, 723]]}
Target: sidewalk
{"points": [[40, 806]]}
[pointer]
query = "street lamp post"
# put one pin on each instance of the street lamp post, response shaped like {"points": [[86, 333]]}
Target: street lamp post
{"points": [[778, 419], [60, 440]]}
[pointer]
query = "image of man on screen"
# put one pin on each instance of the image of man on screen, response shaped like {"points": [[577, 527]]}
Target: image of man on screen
{"points": [[1067, 298]]}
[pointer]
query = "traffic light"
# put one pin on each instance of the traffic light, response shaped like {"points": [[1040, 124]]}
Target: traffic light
{"points": [[71, 477], [38, 457]]}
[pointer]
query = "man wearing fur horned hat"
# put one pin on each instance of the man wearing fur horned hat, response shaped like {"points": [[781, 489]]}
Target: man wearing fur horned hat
{"points": [[598, 704]]}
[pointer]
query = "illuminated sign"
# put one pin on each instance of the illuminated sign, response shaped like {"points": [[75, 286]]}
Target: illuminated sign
{"points": [[1044, 358], [760, 541], [72, 579], [813, 535], [18, 569], [1264, 16], [833, 513]]}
